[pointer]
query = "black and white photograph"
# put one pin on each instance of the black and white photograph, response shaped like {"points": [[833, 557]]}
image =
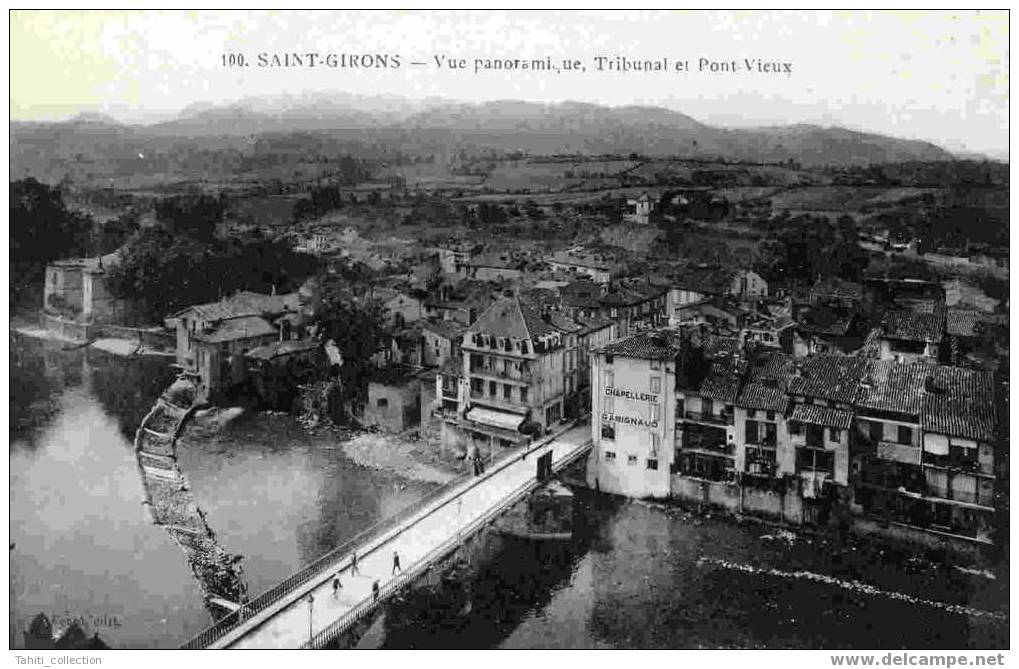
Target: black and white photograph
{"points": [[479, 330]]}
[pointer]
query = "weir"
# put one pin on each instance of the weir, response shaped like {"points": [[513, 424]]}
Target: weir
{"points": [[172, 506], [430, 537]]}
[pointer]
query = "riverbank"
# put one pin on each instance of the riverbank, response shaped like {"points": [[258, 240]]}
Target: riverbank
{"points": [[399, 455], [120, 347]]}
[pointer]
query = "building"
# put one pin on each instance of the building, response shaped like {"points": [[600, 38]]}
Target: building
{"points": [[401, 309], [513, 373], [597, 270], [454, 259], [834, 293], [747, 284], [276, 370], [825, 329], [926, 452], [75, 291], [441, 341], [394, 399], [638, 210], [913, 449], [633, 415], [212, 338], [908, 335], [495, 267]]}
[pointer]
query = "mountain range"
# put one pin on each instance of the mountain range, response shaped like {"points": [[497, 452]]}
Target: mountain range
{"points": [[446, 126]]}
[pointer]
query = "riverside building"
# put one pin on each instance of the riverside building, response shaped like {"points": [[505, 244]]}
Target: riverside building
{"points": [[914, 449]]}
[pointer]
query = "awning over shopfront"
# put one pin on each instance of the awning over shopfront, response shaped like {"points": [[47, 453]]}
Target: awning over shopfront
{"points": [[500, 419]]}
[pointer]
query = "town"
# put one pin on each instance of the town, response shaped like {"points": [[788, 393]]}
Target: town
{"points": [[474, 363], [815, 402]]}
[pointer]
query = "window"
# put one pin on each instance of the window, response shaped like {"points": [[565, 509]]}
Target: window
{"points": [[795, 427], [771, 415], [610, 379], [608, 430], [834, 434], [905, 435], [655, 443], [751, 413], [610, 455], [656, 364], [608, 358], [815, 435], [382, 402], [656, 384], [877, 431], [751, 432], [656, 412], [506, 391], [706, 407], [523, 394], [609, 405], [652, 464], [631, 459]]}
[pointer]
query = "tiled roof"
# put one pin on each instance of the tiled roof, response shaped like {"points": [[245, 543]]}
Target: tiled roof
{"points": [[445, 328], [288, 347], [507, 317], [818, 415], [595, 324], [831, 377], [649, 345], [830, 286], [914, 326], [825, 322], [563, 322], [892, 386], [960, 403], [722, 382], [244, 304], [961, 322], [238, 328], [766, 382]]}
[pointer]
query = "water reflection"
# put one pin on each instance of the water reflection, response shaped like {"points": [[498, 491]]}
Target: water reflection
{"points": [[85, 546]]}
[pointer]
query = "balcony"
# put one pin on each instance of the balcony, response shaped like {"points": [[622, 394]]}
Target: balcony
{"points": [[710, 418], [698, 442], [525, 376]]}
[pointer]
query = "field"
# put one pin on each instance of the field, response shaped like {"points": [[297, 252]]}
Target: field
{"points": [[843, 198]]}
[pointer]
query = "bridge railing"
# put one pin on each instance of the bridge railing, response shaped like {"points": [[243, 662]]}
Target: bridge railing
{"points": [[224, 625], [338, 628]]}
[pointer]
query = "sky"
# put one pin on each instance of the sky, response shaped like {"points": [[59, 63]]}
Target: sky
{"points": [[940, 76]]}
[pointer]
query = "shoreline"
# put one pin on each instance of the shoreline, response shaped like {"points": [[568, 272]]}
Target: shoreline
{"points": [[124, 348]]}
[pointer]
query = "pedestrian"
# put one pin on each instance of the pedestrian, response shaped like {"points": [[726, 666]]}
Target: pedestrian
{"points": [[354, 571], [375, 591], [396, 563], [336, 584]]}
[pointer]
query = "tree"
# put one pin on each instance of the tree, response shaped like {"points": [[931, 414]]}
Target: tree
{"points": [[41, 229], [192, 216], [357, 327]]}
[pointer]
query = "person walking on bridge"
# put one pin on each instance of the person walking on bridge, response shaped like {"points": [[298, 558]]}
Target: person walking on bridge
{"points": [[396, 563], [354, 571], [336, 585], [375, 591]]}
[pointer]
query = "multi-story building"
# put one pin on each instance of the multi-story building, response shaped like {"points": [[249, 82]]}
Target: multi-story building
{"points": [[633, 414], [513, 377], [807, 440]]}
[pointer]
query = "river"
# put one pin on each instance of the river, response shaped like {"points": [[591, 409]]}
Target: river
{"points": [[635, 575]]}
